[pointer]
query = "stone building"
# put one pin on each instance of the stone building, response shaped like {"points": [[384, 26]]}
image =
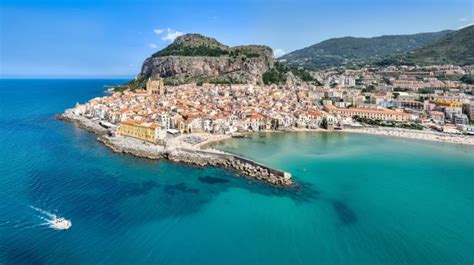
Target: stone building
{"points": [[149, 132], [155, 86]]}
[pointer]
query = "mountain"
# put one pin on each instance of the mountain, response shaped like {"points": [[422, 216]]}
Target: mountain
{"points": [[351, 50], [197, 58], [455, 48]]}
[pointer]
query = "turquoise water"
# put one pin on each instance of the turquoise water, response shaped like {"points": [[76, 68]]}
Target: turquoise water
{"points": [[362, 199]]}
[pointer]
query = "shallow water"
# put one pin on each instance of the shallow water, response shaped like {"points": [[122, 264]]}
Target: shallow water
{"points": [[362, 199]]}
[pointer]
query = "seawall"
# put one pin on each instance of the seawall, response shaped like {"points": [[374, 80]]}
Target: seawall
{"points": [[241, 164]]}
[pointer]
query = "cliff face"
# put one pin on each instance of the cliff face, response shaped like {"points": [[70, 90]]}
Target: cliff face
{"points": [[193, 58]]}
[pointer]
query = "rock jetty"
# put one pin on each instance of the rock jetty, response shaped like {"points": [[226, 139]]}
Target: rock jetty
{"points": [[243, 165]]}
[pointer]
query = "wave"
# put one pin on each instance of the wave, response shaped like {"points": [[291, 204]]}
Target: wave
{"points": [[53, 221]]}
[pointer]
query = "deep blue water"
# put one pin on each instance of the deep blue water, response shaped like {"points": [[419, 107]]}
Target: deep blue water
{"points": [[363, 199]]}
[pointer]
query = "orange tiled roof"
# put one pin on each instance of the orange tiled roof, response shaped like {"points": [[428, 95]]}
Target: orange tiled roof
{"points": [[256, 116], [433, 112]]}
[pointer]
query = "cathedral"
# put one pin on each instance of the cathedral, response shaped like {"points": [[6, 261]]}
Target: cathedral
{"points": [[155, 86]]}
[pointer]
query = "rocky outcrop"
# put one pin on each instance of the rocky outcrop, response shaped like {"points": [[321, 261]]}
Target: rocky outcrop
{"points": [[133, 147], [194, 58], [82, 122]]}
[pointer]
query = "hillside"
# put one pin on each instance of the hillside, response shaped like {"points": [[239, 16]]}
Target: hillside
{"points": [[354, 51], [197, 58], [455, 48]]}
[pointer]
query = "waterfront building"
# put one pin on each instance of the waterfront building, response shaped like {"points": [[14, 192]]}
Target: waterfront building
{"points": [[437, 116], [375, 114], [451, 112], [461, 119], [146, 131], [329, 122]]}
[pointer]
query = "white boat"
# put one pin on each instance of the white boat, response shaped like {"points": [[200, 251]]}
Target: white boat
{"points": [[60, 223], [54, 222]]}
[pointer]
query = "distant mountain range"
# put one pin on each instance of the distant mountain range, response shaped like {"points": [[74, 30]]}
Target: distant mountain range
{"points": [[446, 46], [197, 58]]}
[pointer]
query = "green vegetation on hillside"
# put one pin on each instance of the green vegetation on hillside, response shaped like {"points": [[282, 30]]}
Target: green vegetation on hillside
{"points": [[178, 49], [456, 48], [135, 84], [468, 79], [278, 73], [359, 51]]}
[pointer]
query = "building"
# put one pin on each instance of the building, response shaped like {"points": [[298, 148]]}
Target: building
{"points": [[450, 104], [452, 112], [461, 119], [410, 104], [470, 110], [328, 122], [146, 131], [437, 116], [350, 81], [375, 114], [155, 86]]}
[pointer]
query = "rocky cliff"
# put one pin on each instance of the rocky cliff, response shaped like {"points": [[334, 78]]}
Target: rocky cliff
{"points": [[196, 58]]}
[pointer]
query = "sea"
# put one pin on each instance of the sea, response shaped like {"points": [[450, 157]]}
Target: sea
{"points": [[360, 199]]}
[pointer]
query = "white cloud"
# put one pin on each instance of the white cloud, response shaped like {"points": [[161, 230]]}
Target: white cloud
{"points": [[171, 35], [279, 53], [158, 31], [465, 26], [153, 46]]}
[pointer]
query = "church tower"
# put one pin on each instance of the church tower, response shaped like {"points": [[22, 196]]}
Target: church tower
{"points": [[155, 86]]}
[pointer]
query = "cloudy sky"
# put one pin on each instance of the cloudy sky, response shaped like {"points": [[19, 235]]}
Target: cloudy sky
{"points": [[109, 38]]}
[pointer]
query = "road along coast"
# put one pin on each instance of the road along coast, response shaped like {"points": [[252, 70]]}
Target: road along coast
{"points": [[177, 150]]}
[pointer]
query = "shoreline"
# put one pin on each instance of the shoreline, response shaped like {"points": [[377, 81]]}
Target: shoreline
{"points": [[195, 148], [180, 152], [415, 135], [420, 135]]}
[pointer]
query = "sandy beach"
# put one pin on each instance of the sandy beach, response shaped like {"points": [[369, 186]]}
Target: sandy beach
{"points": [[394, 132], [414, 134]]}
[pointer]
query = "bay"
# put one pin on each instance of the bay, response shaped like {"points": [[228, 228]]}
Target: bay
{"points": [[361, 199]]}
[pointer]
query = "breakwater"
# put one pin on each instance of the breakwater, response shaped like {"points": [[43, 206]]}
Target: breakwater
{"points": [[243, 165]]}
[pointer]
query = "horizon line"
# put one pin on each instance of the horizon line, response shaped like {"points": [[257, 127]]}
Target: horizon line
{"points": [[79, 76]]}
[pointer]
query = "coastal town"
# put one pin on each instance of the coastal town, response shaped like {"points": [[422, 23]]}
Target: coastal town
{"points": [[179, 122], [429, 102], [244, 132]]}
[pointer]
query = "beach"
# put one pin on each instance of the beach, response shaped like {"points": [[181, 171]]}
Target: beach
{"points": [[415, 134]]}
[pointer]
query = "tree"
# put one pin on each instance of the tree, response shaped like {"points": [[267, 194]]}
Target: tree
{"points": [[468, 79]]}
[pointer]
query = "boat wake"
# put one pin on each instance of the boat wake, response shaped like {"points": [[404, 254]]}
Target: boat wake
{"points": [[52, 220]]}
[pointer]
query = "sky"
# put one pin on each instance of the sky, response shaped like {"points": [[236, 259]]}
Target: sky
{"points": [[112, 38]]}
